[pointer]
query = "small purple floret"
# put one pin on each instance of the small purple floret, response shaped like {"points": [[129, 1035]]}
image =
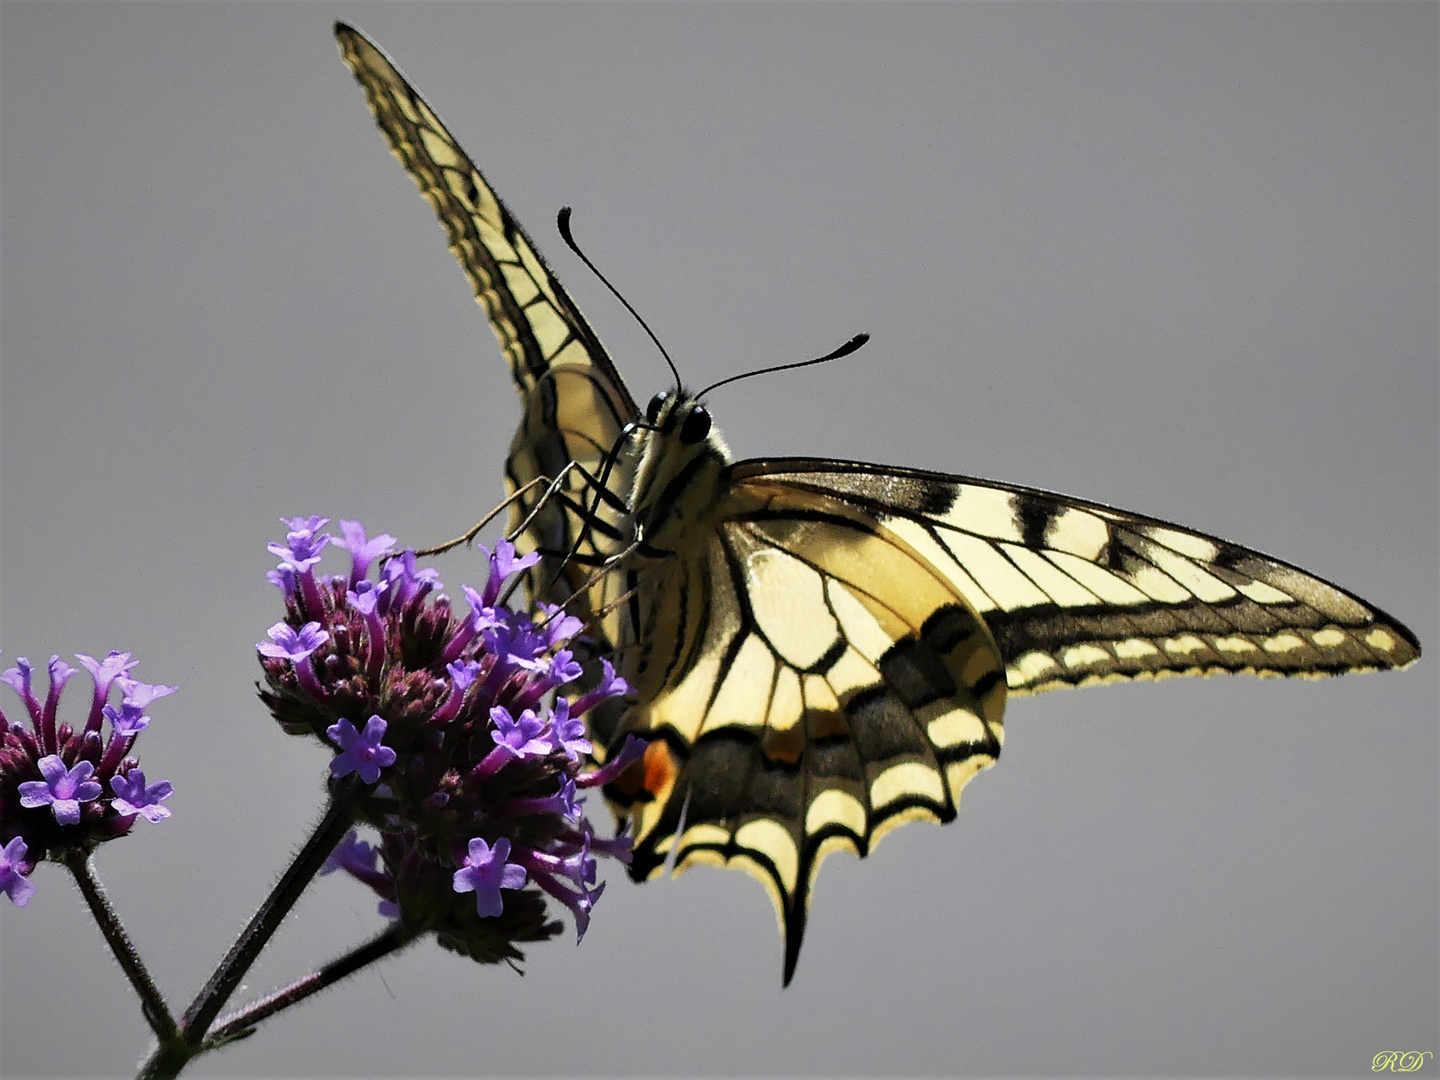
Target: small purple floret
{"points": [[360, 752], [13, 881], [114, 666], [18, 677], [578, 866], [133, 797], [404, 582], [305, 524], [610, 685], [564, 802], [581, 903], [521, 737], [513, 645], [363, 552], [631, 752], [60, 673], [128, 719], [365, 597], [502, 565], [620, 847], [570, 807], [302, 547], [582, 909], [567, 732], [62, 790], [142, 694], [557, 626], [486, 872], [296, 646], [283, 578], [463, 673], [292, 644], [480, 618], [564, 668], [352, 854]]}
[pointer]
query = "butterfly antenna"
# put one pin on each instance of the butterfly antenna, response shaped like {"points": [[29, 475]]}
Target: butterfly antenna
{"points": [[844, 350], [562, 221]]}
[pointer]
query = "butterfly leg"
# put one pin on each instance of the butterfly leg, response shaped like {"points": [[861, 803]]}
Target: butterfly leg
{"points": [[517, 494]]}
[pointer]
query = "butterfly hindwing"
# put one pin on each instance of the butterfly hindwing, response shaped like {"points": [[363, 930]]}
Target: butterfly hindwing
{"points": [[808, 683]]}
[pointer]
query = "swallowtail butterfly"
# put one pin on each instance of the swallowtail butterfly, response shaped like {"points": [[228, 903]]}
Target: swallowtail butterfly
{"points": [[822, 650]]}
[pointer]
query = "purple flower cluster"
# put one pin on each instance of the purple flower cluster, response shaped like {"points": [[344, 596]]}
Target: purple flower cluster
{"points": [[467, 729], [64, 790]]}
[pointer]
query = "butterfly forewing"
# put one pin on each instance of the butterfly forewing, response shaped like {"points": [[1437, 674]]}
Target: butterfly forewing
{"points": [[1076, 592], [575, 402]]}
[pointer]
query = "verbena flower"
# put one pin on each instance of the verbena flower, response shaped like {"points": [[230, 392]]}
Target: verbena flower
{"points": [[462, 727], [65, 789], [14, 867], [485, 872], [360, 751], [132, 796]]}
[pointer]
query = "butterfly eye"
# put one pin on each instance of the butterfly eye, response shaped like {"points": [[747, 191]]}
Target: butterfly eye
{"points": [[696, 425], [652, 411]]}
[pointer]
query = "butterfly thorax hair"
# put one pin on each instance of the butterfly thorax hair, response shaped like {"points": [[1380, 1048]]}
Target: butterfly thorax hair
{"points": [[681, 459]]}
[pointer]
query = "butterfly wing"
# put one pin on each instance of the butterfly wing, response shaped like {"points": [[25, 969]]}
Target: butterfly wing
{"points": [[574, 400], [807, 682], [835, 661], [1076, 592]]}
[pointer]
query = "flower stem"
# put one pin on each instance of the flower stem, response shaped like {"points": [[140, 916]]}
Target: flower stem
{"points": [[173, 1053], [239, 1024], [152, 1003]]}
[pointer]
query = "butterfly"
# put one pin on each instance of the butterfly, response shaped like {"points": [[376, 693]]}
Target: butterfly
{"points": [[822, 650]]}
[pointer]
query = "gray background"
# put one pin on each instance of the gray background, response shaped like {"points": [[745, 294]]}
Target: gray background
{"points": [[1178, 258]]}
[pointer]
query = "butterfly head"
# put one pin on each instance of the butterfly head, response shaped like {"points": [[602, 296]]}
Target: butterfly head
{"points": [[676, 414], [681, 457]]}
